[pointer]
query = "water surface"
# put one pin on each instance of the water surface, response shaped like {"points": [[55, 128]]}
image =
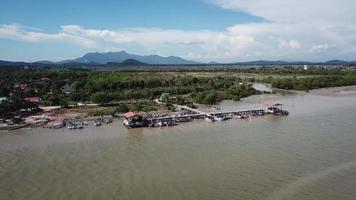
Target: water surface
{"points": [[310, 154]]}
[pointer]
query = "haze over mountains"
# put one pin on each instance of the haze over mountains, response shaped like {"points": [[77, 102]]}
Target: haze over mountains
{"points": [[119, 57], [124, 58]]}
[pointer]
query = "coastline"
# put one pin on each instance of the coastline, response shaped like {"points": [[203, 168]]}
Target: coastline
{"points": [[80, 114], [333, 91]]}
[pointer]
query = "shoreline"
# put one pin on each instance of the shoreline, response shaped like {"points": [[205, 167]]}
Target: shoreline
{"points": [[78, 115], [333, 92]]}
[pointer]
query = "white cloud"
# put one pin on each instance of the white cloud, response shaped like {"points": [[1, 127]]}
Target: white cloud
{"points": [[319, 48], [295, 11], [303, 29], [212, 44], [22, 33], [300, 24], [291, 44]]}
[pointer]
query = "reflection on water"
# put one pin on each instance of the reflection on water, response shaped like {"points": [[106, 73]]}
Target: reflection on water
{"points": [[307, 155]]}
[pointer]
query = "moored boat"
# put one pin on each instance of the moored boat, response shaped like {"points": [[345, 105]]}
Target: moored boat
{"points": [[97, 123], [182, 119], [210, 119], [72, 126], [276, 109]]}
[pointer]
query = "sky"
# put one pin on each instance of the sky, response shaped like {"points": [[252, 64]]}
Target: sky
{"points": [[200, 30]]}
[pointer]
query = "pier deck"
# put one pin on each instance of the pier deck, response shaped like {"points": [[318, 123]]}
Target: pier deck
{"points": [[200, 114]]}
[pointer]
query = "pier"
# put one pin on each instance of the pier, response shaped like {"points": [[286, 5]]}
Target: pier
{"points": [[134, 120], [201, 114]]}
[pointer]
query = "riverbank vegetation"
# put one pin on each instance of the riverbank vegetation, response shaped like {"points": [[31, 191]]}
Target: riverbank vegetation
{"points": [[133, 90], [310, 83]]}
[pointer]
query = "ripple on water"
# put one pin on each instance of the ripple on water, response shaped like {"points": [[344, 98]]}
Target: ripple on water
{"points": [[303, 156]]}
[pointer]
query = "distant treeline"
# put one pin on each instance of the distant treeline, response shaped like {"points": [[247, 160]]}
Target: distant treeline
{"points": [[63, 87], [309, 83], [69, 86]]}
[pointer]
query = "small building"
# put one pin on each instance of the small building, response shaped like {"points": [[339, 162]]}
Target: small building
{"points": [[305, 67], [3, 99], [134, 120], [33, 99], [164, 97], [45, 79], [67, 89], [20, 86]]}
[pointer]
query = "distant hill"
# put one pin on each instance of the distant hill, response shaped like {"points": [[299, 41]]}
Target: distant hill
{"points": [[10, 63], [278, 62], [45, 62], [119, 57], [336, 62], [122, 59], [132, 62], [263, 62]]}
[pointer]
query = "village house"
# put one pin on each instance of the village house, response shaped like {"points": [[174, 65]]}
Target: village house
{"points": [[33, 99], [2, 99], [20, 86], [67, 89], [165, 97]]}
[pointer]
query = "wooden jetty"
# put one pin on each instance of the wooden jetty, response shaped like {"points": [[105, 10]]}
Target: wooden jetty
{"points": [[201, 114], [133, 120], [234, 112]]}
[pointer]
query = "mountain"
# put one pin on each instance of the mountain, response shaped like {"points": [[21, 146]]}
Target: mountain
{"points": [[263, 62], [279, 62], [213, 63], [132, 62], [122, 58], [10, 63], [337, 62], [45, 62], [119, 57]]}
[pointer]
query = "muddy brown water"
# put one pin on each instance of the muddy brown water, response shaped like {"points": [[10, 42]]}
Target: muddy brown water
{"points": [[310, 154]]}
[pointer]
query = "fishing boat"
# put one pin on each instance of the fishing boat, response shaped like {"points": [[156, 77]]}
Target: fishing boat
{"points": [[75, 126], [163, 123], [276, 109], [219, 118], [210, 119], [108, 120], [182, 119], [55, 125], [97, 123]]}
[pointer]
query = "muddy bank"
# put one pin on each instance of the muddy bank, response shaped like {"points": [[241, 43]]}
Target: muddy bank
{"points": [[258, 101]]}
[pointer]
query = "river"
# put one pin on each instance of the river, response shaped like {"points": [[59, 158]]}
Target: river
{"points": [[310, 154]]}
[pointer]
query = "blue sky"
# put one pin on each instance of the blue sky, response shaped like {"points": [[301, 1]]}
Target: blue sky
{"points": [[114, 14], [203, 30]]}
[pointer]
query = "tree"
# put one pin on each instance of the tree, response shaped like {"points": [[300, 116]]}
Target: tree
{"points": [[122, 108], [100, 97]]}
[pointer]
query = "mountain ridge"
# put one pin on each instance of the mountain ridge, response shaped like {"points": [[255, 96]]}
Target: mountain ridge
{"points": [[119, 57], [123, 58]]}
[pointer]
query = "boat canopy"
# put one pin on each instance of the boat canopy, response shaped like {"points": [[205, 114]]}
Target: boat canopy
{"points": [[130, 114]]}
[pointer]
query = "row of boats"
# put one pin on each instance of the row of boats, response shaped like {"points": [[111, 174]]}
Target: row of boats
{"points": [[81, 125], [78, 125], [211, 118], [139, 121], [134, 120], [72, 125]]}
